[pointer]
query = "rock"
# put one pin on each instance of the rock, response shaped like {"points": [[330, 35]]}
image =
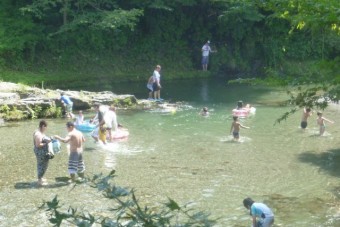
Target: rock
{"points": [[23, 101], [6, 97]]}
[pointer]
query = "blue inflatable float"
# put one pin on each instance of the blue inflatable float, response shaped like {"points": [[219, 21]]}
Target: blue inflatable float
{"points": [[86, 127]]}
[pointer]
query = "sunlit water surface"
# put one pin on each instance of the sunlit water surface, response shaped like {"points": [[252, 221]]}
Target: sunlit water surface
{"points": [[191, 159]]}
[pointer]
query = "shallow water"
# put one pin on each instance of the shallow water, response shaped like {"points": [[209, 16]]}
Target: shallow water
{"points": [[190, 158]]}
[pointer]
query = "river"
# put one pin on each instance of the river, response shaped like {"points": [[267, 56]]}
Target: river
{"points": [[190, 158]]}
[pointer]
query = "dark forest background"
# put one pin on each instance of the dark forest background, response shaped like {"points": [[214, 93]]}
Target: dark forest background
{"points": [[122, 40]]}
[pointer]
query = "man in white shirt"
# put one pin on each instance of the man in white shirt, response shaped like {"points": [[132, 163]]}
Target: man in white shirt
{"points": [[206, 50], [111, 121], [157, 84]]}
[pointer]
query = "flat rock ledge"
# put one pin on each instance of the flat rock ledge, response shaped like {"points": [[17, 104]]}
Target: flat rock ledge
{"points": [[26, 100]]}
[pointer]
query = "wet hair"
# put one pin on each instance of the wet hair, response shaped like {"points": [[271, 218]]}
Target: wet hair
{"points": [[319, 113], [69, 124], [62, 93], [205, 109], [308, 109], [42, 123], [247, 202], [235, 118], [158, 66]]}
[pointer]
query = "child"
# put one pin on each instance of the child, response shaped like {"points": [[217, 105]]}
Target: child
{"points": [[79, 118], [204, 112], [306, 114], [235, 128], [321, 122], [149, 85]]}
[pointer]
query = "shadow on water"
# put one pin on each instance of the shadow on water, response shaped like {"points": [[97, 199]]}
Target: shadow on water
{"points": [[89, 149], [284, 204], [326, 161], [60, 182]]}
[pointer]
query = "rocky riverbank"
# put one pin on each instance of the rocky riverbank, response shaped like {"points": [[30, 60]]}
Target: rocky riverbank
{"points": [[18, 102]]}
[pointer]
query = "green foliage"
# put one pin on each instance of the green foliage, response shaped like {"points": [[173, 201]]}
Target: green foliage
{"points": [[11, 113], [112, 41], [4, 109], [126, 210]]}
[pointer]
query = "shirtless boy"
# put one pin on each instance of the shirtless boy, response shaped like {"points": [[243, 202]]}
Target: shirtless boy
{"points": [[235, 128], [306, 114], [321, 122], [76, 139]]}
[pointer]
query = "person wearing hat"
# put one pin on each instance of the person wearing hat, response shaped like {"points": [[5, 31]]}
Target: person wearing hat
{"points": [[206, 50], [262, 215]]}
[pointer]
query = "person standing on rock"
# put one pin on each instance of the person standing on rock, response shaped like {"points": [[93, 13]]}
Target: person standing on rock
{"points": [[149, 85], [206, 50], [157, 84], [68, 105]]}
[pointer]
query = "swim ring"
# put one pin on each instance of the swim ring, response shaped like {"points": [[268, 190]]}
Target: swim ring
{"points": [[85, 127], [244, 112]]}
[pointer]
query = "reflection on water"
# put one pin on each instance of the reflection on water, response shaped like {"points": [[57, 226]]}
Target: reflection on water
{"points": [[189, 158]]}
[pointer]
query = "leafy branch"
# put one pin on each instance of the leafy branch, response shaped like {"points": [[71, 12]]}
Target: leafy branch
{"points": [[126, 210]]}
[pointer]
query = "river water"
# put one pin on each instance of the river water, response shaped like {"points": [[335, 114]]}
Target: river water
{"points": [[191, 159]]}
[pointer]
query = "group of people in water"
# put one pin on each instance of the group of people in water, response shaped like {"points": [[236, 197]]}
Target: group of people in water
{"points": [[307, 112], [105, 121], [41, 142]]}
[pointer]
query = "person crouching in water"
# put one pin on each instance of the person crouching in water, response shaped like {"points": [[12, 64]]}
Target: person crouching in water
{"points": [[262, 215], [235, 128], [76, 139]]}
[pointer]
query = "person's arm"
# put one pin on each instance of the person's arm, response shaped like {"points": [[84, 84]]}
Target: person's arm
{"points": [[325, 119], [242, 126], [231, 128], [254, 221], [64, 140], [159, 82], [38, 140]]}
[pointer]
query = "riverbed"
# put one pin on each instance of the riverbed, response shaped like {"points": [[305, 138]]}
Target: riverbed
{"points": [[190, 158]]}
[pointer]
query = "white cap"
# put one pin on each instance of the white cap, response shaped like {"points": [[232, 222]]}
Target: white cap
{"points": [[208, 41]]}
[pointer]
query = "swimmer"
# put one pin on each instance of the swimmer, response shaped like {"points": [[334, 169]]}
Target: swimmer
{"points": [[321, 122], [235, 128], [241, 107], [306, 114], [204, 112]]}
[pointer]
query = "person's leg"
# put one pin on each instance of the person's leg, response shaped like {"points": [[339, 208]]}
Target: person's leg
{"points": [[81, 166], [322, 130], [267, 222], [109, 130], [159, 94], [42, 165], [72, 165]]}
